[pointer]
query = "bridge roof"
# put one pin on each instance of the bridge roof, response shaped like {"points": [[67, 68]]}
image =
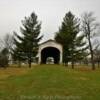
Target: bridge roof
{"points": [[50, 40]]}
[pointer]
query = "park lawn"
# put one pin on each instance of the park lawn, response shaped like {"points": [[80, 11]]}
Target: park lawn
{"points": [[49, 82]]}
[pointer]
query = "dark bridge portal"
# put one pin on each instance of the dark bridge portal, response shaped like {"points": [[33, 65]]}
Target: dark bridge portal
{"points": [[50, 52]]}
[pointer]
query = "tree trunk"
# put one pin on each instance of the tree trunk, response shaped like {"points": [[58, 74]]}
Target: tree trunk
{"points": [[66, 64], [92, 60], [72, 56], [29, 62], [92, 57], [72, 64], [19, 64], [30, 65]]}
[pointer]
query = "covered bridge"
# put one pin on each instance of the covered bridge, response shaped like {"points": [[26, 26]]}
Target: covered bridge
{"points": [[49, 49]]}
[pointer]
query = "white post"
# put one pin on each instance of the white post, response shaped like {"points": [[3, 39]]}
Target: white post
{"points": [[60, 57], [39, 54]]}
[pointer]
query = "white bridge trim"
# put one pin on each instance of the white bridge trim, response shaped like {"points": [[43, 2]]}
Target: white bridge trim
{"points": [[50, 43]]}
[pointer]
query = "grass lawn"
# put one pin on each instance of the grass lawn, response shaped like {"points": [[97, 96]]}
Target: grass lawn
{"points": [[49, 82]]}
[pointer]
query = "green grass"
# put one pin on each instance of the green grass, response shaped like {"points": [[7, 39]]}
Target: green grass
{"points": [[49, 82]]}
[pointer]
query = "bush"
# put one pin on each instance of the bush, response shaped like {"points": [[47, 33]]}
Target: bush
{"points": [[4, 58]]}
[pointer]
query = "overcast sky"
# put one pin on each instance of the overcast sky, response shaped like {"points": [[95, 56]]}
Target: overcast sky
{"points": [[50, 12]]}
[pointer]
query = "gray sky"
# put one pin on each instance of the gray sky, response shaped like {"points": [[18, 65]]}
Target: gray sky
{"points": [[50, 12]]}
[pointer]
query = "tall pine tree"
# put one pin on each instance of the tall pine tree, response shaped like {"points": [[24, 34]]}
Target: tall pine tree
{"points": [[26, 44], [68, 37]]}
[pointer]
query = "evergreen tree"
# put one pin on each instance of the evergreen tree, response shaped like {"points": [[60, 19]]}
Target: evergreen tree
{"points": [[68, 37], [26, 44]]}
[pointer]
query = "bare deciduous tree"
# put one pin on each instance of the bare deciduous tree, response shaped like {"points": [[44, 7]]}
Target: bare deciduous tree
{"points": [[89, 27], [6, 44], [8, 41]]}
